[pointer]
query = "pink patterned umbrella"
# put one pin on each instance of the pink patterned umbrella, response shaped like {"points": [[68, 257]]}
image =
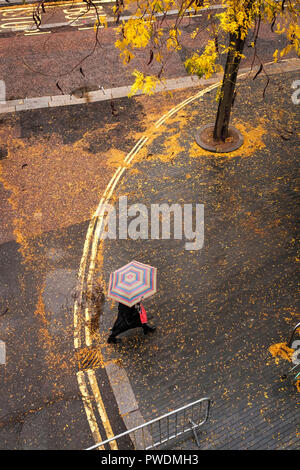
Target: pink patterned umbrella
{"points": [[132, 282]]}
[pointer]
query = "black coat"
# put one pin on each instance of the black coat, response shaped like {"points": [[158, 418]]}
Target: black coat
{"points": [[128, 317]]}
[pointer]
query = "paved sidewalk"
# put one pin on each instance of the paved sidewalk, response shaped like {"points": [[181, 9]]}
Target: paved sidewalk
{"points": [[219, 309], [123, 91]]}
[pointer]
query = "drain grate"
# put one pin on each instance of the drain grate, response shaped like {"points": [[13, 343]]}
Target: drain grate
{"points": [[89, 358]]}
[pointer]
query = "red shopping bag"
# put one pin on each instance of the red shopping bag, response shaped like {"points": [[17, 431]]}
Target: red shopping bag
{"points": [[143, 314]]}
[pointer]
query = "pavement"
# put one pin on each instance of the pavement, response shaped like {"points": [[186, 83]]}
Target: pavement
{"points": [[237, 292], [220, 308]]}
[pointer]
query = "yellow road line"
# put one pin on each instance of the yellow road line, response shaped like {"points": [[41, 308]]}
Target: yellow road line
{"points": [[101, 409], [93, 236], [77, 317], [136, 149], [170, 113], [88, 408], [98, 217], [128, 159], [94, 250]]}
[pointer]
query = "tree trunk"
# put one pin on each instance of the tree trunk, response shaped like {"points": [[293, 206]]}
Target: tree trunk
{"points": [[228, 87]]}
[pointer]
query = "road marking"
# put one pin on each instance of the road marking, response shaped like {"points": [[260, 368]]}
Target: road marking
{"points": [[21, 19], [52, 4], [35, 33], [101, 409], [89, 358], [72, 14], [80, 286], [2, 352], [92, 244], [82, 29], [88, 407], [94, 251]]}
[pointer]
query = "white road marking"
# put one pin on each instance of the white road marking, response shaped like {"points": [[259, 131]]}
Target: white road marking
{"points": [[72, 15], [2, 352]]}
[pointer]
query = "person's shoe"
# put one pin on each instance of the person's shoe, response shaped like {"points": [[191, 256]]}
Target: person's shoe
{"points": [[114, 340], [149, 329]]}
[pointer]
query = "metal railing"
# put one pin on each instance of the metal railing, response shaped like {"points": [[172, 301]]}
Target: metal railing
{"points": [[161, 430], [290, 341], [294, 371]]}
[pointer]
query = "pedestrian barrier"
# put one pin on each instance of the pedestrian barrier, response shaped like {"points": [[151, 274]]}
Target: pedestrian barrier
{"points": [[161, 430], [294, 371]]}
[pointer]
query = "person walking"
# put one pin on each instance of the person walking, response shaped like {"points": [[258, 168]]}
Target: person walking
{"points": [[128, 318]]}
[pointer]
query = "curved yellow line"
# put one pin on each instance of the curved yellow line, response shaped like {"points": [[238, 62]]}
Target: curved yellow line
{"points": [[94, 233]]}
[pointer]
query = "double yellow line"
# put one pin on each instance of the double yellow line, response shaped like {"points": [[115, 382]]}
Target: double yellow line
{"points": [[91, 249]]}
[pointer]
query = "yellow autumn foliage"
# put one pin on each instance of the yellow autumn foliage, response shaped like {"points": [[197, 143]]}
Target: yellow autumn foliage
{"points": [[204, 64], [150, 27], [145, 84], [281, 350]]}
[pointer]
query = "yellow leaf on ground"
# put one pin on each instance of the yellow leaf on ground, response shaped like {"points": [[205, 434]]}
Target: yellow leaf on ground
{"points": [[281, 350]]}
